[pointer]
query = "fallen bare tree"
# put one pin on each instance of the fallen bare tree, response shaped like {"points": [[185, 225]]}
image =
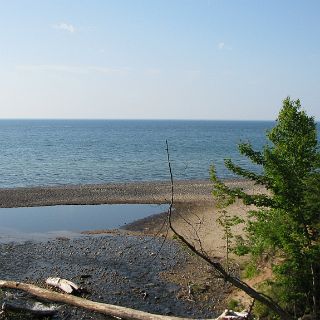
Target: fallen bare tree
{"points": [[36, 309], [107, 309], [227, 276], [112, 310]]}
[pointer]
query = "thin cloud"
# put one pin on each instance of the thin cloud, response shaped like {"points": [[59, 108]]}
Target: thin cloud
{"points": [[221, 45], [65, 27], [71, 69]]}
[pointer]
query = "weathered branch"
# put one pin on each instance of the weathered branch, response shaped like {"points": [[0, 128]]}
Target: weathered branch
{"points": [[107, 309], [264, 299], [37, 309], [63, 284]]}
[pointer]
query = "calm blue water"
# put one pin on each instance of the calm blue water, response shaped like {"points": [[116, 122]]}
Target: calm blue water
{"points": [[55, 152], [42, 223], [74, 218]]}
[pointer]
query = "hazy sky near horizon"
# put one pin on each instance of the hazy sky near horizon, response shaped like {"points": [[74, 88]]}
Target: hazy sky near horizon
{"points": [[158, 59]]}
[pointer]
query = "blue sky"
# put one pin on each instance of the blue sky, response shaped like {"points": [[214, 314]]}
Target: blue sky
{"points": [[150, 59]]}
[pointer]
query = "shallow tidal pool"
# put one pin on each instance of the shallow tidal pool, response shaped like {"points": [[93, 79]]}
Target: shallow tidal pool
{"points": [[21, 223]]}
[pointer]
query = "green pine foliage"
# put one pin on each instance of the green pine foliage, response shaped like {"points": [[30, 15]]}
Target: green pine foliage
{"points": [[285, 223]]}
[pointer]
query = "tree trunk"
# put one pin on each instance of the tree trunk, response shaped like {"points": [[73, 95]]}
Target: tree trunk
{"points": [[264, 299], [108, 309], [316, 288]]}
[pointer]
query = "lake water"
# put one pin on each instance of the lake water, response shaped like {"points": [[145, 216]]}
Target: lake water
{"points": [[64, 152], [35, 221], [59, 152]]}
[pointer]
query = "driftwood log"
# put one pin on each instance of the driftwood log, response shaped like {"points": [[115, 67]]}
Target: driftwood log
{"points": [[63, 284], [37, 309], [107, 309]]}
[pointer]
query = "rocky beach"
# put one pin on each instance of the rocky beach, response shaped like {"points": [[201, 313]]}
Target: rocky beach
{"points": [[128, 268]]}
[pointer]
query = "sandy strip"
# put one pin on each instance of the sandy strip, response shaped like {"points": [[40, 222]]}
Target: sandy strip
{"points": [[137, 192]]}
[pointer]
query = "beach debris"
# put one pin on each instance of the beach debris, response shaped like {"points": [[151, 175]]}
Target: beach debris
{"points": [[63, 284], [34, 308], [107, 309], [233, 315]]}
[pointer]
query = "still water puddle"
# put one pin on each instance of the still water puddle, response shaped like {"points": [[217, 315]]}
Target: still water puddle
{"points": [[41, 222]]}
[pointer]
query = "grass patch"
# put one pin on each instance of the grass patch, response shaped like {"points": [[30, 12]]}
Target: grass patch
{"points": [[234, 305], [250, 271]]}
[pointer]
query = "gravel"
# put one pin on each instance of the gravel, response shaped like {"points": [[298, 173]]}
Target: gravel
{"points": [[134, 192], [116, 269]]}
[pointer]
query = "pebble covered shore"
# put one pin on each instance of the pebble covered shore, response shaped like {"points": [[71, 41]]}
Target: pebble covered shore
{"points": [[133, 192], [122, 270], [118, 269]]}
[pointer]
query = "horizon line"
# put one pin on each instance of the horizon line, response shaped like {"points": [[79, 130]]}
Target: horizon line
{"points": [[136, 119], [141, 119]]}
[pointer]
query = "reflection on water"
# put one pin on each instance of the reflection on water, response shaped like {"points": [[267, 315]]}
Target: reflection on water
{"points": [[71, 218]]}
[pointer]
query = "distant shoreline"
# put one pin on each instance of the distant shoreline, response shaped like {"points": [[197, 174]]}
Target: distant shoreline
{"points": [[111, 193]]}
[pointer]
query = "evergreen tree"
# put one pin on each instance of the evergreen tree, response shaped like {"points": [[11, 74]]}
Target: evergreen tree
{"points": [[285, 222]]}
